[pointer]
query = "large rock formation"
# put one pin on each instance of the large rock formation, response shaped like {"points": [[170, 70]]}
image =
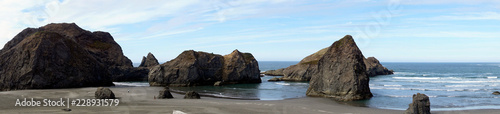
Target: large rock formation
{"points": [[193, 68], [149, 61], [341, 73], [59, 56], [420, 105], [307, 66]]}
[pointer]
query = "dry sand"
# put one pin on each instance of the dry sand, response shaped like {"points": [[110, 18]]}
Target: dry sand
{"points": [[141, 100]]}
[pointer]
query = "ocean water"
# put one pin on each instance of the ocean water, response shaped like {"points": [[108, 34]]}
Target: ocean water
{"points": [[450, 86]]}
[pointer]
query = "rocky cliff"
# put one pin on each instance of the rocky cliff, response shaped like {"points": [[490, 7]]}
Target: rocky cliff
{"points": [[341, 73], [59, 56], [149, 61], [193, 68]]}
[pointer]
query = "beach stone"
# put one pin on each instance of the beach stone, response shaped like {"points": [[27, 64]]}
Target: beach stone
{"points": [[374, 68], [496, 93], [420, 105], [278, 72], [192, 68], [192, 95], [274, 79], [165, 94], [218, 83], [341, 73], [149, 61], [104, 93]]}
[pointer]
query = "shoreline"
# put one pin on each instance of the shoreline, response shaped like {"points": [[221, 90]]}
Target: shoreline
{"points": [[141, 100]]}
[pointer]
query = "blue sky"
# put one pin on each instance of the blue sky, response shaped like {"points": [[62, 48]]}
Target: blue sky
{"points": [[277, 30]]}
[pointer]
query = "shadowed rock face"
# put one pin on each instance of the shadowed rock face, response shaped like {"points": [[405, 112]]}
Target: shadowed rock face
{"points": [[149, 61], [60, 56], [341, 73], [193, 68]]}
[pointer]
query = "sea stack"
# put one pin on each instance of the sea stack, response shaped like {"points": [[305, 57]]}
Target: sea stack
{"points": [[149, 61], [304, 70], [374, 68], [192, 68], [341, 73], [59, 56], [420, 105]]}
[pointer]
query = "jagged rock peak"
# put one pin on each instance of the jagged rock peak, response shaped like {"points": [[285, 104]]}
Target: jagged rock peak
{"points": [[149, 61], [341, 73]]}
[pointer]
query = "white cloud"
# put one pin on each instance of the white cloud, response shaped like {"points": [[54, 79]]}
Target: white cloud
{"points": [[170, 16]]}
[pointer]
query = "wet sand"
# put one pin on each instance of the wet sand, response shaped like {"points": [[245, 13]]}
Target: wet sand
{"points": [[141, 100]]}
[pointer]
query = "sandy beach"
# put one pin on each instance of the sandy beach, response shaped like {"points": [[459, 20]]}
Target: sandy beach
{"points": [[141, 100]]}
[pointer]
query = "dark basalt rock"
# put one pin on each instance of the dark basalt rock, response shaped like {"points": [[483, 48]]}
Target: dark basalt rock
{"points": [[192, 95], [341, 73], [62, 56], [149, 61], [420, 105], [496, 93], [125, 74], [104, 93], [165, 94], [193, 68]]}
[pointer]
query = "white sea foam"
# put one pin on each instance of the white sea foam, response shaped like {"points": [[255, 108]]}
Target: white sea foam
{"points": [[145, 84], [464, 85], [393, 85], [280, 83], [492, 77], [418, 78]]}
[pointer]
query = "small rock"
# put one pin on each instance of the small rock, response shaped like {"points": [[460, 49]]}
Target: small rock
{"points": [[274, 79], [218, 83], [192, 95], [104, 93], [496, 93], [165, 94], [420, 105]]}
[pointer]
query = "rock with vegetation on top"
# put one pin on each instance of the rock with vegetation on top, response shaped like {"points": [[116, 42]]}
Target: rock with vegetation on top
{"points": [[278, 72], [165, 94], [149, 61], [192, 95], [420, 105], [193, 68], [341, 73], [104, 93]]}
